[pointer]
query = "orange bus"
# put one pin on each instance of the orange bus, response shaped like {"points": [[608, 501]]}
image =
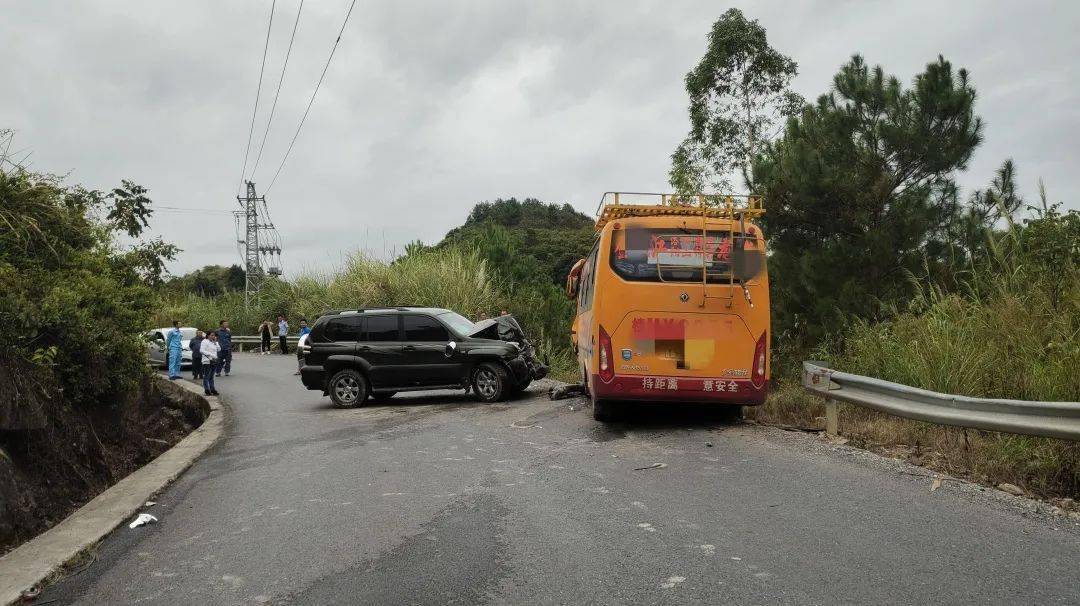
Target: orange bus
{"points": [[673, 302]]}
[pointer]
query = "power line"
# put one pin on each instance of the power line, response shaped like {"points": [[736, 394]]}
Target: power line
{"points": [[179, 209], [258, 92], [310, 102], [273, 106]]}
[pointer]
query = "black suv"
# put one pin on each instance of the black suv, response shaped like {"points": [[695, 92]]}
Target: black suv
{"points": [[376, 352]]}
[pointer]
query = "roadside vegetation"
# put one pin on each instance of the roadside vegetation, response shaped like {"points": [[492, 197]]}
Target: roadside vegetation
{"points": [[1011, 331], [77, 408], [879, 264]]}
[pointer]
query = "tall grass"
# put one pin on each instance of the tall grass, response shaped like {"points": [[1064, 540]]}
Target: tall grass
{"points": [[1009, 346]]}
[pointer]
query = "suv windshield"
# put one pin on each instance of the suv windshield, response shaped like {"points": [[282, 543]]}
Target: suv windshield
{"points": [[457, 323]]}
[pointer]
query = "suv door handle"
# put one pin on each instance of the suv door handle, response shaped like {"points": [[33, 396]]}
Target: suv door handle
{"points": [[363, 348], [408, 348]]}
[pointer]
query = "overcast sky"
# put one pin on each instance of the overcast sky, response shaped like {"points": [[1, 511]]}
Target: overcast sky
{"points": [[430, 107]]}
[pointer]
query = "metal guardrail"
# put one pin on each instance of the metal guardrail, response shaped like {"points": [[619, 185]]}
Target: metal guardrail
{"points": [[1048, 419], [239, 341]]}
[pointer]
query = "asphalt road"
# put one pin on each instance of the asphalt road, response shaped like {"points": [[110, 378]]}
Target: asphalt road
{"points": [[436, 499]]}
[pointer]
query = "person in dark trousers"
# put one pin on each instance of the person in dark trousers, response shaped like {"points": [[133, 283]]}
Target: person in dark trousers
{"points": [[283, 332], [196, 358], [264, 332], [209, 350], [224, 338]]}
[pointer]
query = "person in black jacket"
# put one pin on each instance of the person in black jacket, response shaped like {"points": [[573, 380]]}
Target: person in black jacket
{"points": [[264, 332], [196, 359]]}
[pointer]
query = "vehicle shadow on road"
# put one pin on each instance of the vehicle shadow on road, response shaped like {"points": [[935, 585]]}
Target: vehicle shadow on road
{"points": [[455, 399]]}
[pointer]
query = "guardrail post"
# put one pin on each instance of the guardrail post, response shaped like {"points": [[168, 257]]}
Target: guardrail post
{"points": [[832, 417]]}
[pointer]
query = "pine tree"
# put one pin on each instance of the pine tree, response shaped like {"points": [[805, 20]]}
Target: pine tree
{"points": [[861, 194]]}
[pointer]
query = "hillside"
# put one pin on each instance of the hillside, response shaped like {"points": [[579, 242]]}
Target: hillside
{"points": [[526, 240]]}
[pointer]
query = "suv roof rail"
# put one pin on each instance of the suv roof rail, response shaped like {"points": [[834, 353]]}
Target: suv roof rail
{"points": [[377, 308]]}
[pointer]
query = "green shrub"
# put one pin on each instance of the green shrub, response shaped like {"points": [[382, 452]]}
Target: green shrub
{"points": [[72, 302]]}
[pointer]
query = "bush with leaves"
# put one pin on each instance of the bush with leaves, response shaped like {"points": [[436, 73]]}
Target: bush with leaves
{"points": [[72, 301]]}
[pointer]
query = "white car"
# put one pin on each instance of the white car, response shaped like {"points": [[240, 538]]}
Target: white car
{"points": [[156, 351]]}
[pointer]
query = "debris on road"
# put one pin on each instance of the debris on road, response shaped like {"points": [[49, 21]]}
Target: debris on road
{"points": [[708, 444], [31, 593], [142, 520], [561, 392], [671, 582], [1012, 489], [935, 484], [150, 504], [653, 466]]}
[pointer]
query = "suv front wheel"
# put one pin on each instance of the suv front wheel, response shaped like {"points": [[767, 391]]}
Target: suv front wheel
{"points": [[348, 388], [490, 382]]}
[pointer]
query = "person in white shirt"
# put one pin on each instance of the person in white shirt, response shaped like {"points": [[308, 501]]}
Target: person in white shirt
{"points": [[210, 350]]}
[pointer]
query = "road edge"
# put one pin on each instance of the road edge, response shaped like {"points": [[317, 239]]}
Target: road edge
{"points": [[32, 562]]}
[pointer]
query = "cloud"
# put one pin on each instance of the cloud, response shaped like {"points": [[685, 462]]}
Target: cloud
{"points": [[430, 107]]}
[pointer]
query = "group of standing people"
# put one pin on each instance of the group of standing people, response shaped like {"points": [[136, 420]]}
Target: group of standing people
{"points": [[211, 351], [211, 354], [266, 330]]}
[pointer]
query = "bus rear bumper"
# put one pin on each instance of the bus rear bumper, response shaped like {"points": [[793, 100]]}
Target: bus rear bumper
{"points": [[679, 389]]}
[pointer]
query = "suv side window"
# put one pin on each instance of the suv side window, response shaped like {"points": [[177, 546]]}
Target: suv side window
{"points": [[425, 328], [382, 328], [345, 328]]}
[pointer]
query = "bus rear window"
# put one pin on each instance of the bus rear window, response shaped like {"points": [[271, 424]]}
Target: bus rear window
{"points": [[673, 255]]}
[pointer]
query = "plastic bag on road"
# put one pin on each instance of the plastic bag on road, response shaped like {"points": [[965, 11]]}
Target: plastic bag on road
{"points": [[142, 520]]}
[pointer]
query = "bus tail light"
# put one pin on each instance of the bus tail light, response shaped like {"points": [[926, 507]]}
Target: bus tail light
{"points": [[607, 368], [758, 376]]}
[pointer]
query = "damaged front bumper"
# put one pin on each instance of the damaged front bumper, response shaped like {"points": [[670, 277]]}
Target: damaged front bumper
{"points": [[527, 368]]}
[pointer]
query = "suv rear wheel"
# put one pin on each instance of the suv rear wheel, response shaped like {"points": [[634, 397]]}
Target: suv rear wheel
{"points": [[348, 388], [490, 382]]}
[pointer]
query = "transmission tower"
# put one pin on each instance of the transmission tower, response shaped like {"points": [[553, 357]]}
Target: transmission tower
{"points": [[261, 242]]}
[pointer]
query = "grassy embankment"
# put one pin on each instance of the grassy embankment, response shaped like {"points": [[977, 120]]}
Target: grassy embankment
{"points": [[1014, 332]]}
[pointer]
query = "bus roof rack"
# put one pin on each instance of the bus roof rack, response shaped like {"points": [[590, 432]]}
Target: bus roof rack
{"points": [[617, 205]]}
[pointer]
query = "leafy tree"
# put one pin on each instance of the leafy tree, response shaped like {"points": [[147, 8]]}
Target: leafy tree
{"points": [[131, 208], [860, 192], [73, 301], [738, 92], [210, 280]]}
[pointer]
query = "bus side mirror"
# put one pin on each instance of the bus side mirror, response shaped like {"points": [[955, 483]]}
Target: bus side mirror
{"points": [[747, 263], [571, 287], [573, 279]]}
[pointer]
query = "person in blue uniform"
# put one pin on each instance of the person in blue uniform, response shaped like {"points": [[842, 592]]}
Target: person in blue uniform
{"points": [[175, 343]]}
